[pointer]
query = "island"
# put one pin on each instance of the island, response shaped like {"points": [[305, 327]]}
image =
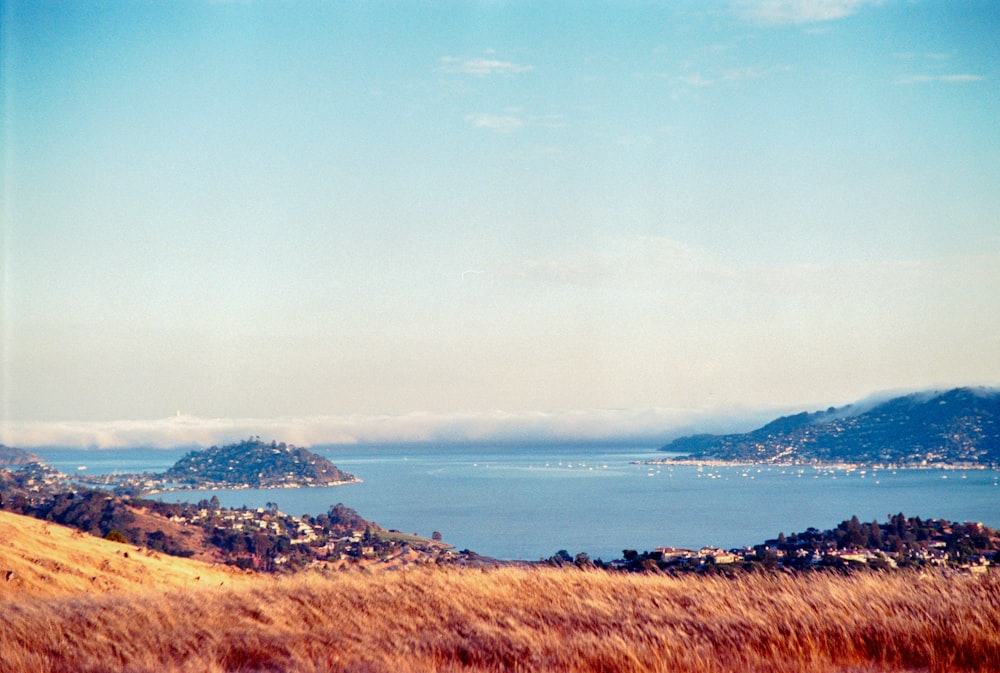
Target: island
{"points": [[256, 464], [262, 538], [957, 428], [251, 463]]}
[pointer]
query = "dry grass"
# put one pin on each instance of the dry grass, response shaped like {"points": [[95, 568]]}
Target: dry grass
{"points": [[41, 559], [515, 619]]}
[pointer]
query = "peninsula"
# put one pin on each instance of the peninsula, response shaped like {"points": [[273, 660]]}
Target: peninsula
{"points": [[953, 428]]}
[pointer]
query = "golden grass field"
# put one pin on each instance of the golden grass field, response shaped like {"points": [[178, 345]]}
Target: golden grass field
{"points": [[161, 614]]}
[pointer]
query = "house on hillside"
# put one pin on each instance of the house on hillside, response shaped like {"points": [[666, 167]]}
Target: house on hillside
{"points": [[673, 553]]}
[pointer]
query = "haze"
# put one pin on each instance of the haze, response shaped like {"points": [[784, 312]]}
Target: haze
{"points": [[393, 221]]}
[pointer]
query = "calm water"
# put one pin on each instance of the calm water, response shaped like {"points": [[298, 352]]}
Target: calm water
{"points": [[529, 502]]}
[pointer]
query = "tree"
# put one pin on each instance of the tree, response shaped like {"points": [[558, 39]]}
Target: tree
{"points": [[562, 556], [851, 534], [874, 535], [345, 518], [115, 535], [436, 536]]}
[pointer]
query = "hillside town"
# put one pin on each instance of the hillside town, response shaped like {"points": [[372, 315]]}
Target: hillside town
{"points": [[953, 428], [251, 463], [900, 542], [269, 540], [263, 539]]}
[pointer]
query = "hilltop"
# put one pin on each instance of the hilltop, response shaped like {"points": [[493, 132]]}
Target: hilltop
{"points": [[251, 463], [256, 464], [958, 427]]}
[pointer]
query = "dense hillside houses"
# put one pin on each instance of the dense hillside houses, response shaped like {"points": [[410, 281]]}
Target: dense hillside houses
{"points": [[900, 542], [256, 464], [267, 539], [959, 427], [264, 539], [251, 463]]}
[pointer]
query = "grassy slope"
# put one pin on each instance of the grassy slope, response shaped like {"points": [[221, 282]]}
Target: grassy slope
{"points": [[49, 560], [514, 619]]}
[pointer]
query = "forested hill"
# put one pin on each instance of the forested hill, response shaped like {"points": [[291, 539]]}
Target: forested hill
{"points": [[955, 427], [256, 464]]}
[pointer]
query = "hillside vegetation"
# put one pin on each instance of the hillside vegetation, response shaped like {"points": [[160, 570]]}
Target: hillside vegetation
{"points": [[251, 463], [425, 619], [257, 464], [42, 559], [955, 427]]}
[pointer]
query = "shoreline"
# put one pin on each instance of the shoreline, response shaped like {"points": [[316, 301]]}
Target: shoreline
{"points": [[246, 487], [819, 465]]}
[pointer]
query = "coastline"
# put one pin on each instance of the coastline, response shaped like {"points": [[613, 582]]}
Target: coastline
{"points": [[247, 487], [408, 490], [819, 465]]}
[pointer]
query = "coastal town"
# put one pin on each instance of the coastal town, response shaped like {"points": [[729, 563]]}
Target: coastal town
{"points": [[899, 542], [262, 539], [267, 539], [953, 429], [251, 463]]}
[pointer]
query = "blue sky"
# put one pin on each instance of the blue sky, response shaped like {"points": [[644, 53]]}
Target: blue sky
{"points": [[464, 219]]}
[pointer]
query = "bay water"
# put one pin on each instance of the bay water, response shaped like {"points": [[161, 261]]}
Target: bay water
{"points": [[529, 501]]}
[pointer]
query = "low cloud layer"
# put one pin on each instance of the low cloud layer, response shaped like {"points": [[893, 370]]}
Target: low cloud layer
{"points": [[650, 425]]}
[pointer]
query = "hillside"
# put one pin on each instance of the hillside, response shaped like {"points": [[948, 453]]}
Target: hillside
{"points": [[257, 464], [80, 604], [10, 455], [251, 463], [42, 559], [260, 539], [956, 427], [73, 602]]}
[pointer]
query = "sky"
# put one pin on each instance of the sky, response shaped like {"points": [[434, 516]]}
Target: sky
{"points": [[381, 221]]}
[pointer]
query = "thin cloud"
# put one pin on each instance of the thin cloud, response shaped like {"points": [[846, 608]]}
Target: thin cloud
{"points": [[482, 67], [513, 119], [496, 123], [931, 56], [697, 79], [951, 79], [796, 12], [752, 73]]}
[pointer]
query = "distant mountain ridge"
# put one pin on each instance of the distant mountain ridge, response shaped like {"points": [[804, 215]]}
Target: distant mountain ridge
{"points": [[10, 455], [960, 426]]}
